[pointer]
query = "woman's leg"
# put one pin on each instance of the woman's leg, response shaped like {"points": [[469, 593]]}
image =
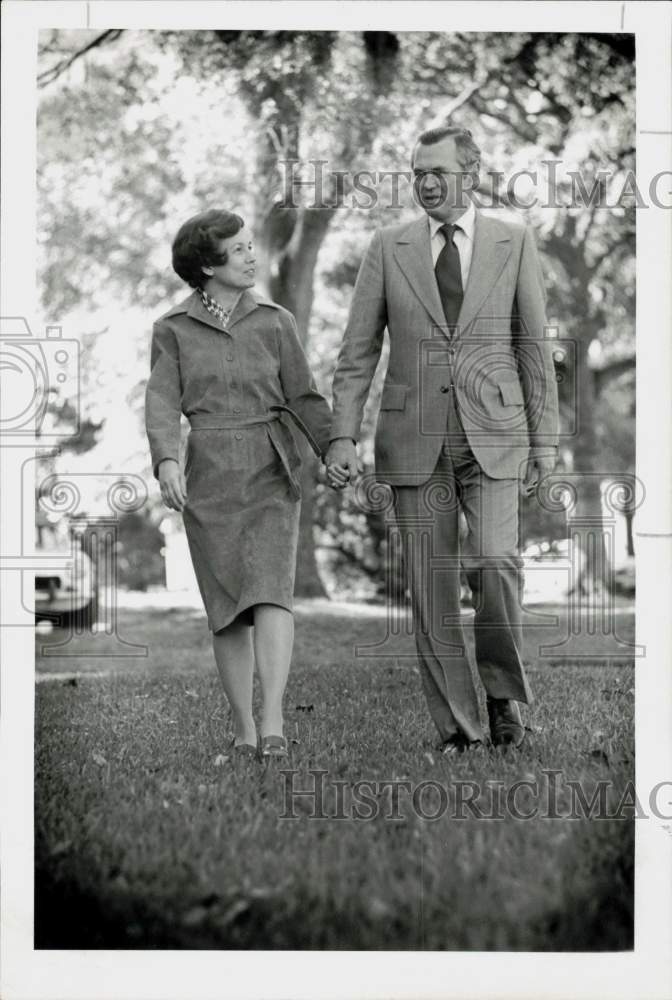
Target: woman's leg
{"points": [[235, 662], [273, 642]]}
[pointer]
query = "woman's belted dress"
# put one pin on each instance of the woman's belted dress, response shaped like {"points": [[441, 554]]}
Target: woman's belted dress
{"points": [[242, 464]]}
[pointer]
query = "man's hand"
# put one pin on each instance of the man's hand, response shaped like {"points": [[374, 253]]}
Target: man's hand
{"points": [[538, 466], [341, 462], [172, 483]]}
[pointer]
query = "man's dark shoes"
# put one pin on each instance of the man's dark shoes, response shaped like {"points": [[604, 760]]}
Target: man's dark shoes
{"points": [[506, 725], [457, 743]]}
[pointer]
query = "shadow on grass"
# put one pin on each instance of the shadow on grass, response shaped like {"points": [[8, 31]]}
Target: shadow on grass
{"points": [[597, 915]]}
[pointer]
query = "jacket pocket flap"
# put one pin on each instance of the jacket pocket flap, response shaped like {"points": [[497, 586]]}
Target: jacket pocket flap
{"points": [[394, 397], [511, 393]]}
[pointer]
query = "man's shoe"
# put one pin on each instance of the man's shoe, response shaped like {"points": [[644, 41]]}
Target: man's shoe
{"points": [[506, 725], [457, 743]]}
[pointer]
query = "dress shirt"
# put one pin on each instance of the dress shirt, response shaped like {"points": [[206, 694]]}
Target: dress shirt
{"points": [[463, 239]]}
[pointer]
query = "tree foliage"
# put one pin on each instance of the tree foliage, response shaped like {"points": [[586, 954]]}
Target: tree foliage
{"points": [[137, 130]]}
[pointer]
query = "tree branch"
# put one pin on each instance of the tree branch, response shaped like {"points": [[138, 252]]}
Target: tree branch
{"points": [[462, 99], [603, 374], [49, 75]]}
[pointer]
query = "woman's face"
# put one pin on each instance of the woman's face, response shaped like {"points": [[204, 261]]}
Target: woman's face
{"points": [[239, 270]]}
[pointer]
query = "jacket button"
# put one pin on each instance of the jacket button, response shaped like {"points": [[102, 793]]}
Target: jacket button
{"points": [[236, 409], [445, 388], [239, 437], [229, 357]]}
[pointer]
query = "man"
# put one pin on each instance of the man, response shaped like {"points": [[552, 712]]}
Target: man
{"points": [[469, 409]]}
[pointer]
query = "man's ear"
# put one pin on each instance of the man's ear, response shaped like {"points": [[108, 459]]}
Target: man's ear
{"points": [[474, 179]]}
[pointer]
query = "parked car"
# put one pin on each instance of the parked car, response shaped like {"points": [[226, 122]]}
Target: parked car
{"points": [[67, 596]]}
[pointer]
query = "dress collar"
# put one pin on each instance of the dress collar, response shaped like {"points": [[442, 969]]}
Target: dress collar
{"points": [[195, 306], [215, 308]]}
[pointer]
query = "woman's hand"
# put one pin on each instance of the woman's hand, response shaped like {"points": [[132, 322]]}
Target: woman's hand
{"points": [[172, 483], [338, 476], [341, 462]]}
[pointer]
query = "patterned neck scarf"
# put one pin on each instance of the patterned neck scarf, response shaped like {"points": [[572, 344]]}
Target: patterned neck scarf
{"points": [[216, 308]]}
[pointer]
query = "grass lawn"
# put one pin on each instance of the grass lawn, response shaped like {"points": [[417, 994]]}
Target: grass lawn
{"points": [[149, 836]]}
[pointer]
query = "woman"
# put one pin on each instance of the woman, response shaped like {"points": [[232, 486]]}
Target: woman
{"points": [[224, 357]]}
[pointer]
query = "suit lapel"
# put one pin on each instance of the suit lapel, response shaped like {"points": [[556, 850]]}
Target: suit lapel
{"points": [[492, 246], [414, 256]]}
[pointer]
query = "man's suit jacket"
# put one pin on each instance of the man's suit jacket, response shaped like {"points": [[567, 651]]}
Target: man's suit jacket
{"points": [[499, 361]]}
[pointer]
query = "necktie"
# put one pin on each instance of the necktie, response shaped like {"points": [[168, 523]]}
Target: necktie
{"points": [[449, 276]]}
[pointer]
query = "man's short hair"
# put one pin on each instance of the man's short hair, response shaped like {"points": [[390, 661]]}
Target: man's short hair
{"points": [[196, 243], [468, 153]]}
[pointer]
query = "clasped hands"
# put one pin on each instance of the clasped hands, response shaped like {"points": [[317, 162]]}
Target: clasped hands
{"points": [[342, 467], [341, 463]]}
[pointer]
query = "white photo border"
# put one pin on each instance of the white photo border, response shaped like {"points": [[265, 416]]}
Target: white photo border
{"points": [[646, 971]]}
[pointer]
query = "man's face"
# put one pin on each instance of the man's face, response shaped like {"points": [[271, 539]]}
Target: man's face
{"points": [[440, 183], [239, 270]]}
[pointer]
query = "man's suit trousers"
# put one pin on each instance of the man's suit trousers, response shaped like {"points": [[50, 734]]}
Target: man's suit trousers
{"points": [[428, 521]]}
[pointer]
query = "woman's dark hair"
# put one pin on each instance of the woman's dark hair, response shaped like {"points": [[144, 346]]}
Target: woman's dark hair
{"points": [[195, 245]]}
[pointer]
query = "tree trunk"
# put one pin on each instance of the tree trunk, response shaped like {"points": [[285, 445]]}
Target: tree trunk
{"points": [[292, 286], [290, 238], [596, 572], [291, 282]]}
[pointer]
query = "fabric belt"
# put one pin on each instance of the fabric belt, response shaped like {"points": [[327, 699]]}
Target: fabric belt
{"points": [[232, 421], [228, 421]]}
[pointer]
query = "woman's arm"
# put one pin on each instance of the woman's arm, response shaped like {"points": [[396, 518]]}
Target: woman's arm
{"points": [[163, 397], [299, 386]]}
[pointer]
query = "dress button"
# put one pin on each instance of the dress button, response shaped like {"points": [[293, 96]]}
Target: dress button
{"points": [[239, 437]]}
